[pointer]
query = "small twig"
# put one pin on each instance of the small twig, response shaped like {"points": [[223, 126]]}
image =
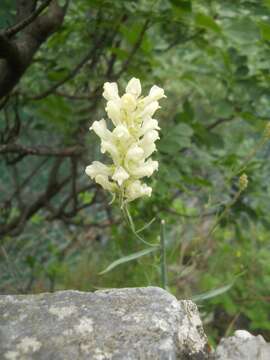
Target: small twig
{"points": [[70, 76], [218, 122]]}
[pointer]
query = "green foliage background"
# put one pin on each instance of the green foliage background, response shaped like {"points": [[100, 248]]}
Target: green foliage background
{"points": [[212, 59]]}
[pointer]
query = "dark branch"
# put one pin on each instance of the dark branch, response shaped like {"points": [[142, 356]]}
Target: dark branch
{"points": [[91, 55], [134, 49], [219, 122], [40, 151], [16, 56], [70, 76], [9, 51], [24, 23]]}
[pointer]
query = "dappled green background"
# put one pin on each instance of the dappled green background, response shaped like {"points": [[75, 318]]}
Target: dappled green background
{"points": [[212, 59]]}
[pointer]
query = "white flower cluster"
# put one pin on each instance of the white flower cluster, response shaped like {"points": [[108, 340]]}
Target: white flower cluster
{"points": [[131, 142]]}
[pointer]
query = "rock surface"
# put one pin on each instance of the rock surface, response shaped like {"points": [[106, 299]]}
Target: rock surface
{"points": [[242, 346], [135, 323]]}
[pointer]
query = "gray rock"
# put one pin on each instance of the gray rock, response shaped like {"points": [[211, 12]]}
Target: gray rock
{"points": [[242, 346], [134, 323]]}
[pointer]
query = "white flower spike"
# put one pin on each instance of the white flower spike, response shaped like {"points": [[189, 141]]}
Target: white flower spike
{"points": [[130, 143]]}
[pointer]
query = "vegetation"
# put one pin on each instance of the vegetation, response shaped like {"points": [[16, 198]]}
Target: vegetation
{"points": [[57, 229]]}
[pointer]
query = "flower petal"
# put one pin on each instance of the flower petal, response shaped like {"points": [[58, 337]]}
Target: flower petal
{"points": [[97, 168], [100, 128], [134, 87], [121, 132], [111, 148], [134, 153], [156, 93], [136, 189], [145, 169], [149, 124], [120, 175], [113, 110], [150, 109], [105, 183], [110, 91]]}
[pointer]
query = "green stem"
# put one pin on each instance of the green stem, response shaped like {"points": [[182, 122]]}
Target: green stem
{"points": [[163, 264], [130, 223]]}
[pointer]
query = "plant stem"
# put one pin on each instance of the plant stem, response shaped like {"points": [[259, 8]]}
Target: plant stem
{"points": [[163, 265], [130, 223]]}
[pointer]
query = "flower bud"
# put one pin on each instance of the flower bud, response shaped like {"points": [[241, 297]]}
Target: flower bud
{"points": [[156, 93], [243, 182], [100, 128], [114, 112], [134, 87], [110, 91]]}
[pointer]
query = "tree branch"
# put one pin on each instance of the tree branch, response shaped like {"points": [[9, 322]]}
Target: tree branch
{"points": [[9, 50], [134, 49], [218, 122], [24, 23], [70, 76], [16, 225], [16, 56], [40, 151]]}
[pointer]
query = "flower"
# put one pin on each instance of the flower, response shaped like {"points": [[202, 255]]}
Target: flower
{"points": [[243, 182], [131, 142]]}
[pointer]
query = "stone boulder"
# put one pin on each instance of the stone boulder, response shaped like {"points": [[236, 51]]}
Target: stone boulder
{"points": [[135, 323], [242, 346]]}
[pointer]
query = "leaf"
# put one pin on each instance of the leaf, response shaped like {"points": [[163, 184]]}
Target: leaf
{"points": [[182, 129], [212, 293], [243, 31], [265, 30], [184, 5], [128, 258], [86, 197], [207, 22]]}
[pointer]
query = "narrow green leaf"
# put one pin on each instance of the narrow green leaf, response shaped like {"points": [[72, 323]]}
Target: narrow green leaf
{"points": [[128, 258], [212, 293]]}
